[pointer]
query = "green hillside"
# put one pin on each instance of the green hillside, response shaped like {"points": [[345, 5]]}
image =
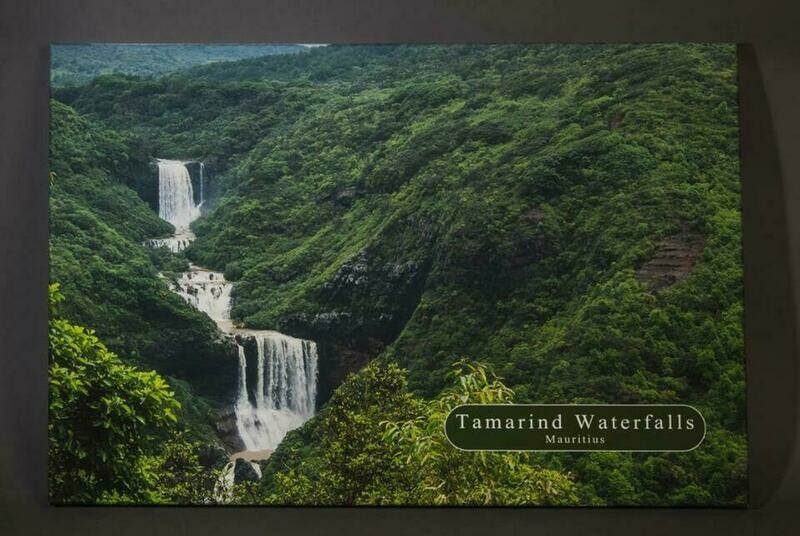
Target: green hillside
{"points": [[567, 215], [111, 282]]}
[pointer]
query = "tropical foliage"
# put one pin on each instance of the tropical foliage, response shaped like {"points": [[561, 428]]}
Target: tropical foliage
{"points": [[568, 215], [111, 429], [376, 444], [97, 225]]}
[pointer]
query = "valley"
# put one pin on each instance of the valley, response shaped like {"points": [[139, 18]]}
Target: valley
{"points": [[320, 253]]}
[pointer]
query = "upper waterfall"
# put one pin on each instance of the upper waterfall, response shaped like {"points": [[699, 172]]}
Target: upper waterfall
{"points": [[176, 203], [175, 195], [202, 180]]}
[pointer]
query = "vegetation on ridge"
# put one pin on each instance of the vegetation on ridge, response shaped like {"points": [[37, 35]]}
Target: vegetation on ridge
{"points": [[423, 204], [75, 64]]}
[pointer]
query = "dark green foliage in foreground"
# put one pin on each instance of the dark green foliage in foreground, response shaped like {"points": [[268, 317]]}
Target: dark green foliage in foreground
{"points": [[111, 427], [377, 444], [111, 281], [77, 64], [197, 413]]}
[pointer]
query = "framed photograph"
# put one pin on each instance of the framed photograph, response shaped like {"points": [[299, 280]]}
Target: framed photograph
{"points": [[396, 275]]}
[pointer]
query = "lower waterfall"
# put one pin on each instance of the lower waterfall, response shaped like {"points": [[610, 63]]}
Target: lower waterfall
{"points": [[285, 391]]}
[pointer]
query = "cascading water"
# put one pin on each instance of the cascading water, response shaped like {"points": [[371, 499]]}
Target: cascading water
{"points": [[175, 195], [209, 292], [176, 204], [202, 180], [285, 391], [284, 395]]}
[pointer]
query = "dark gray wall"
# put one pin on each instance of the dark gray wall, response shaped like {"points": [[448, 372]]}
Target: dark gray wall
{"points": [[770, 75]]}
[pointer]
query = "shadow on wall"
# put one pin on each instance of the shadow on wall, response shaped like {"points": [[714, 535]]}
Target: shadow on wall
{"points": [[769, 322]]}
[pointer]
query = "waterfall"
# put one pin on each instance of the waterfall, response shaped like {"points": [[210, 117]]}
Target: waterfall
{"points": [[176, 243], [175, 195], [202, 180], [285, 392], [284, 396], [207, 291], [292, 375], [176, 204]]}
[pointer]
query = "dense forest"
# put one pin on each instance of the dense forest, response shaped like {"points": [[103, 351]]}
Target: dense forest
{"points": [[527, 223]]}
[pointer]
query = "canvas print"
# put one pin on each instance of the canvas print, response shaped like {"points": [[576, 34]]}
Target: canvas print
{"points": [[285, 274]]}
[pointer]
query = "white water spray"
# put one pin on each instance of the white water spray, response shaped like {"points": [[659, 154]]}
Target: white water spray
{"points": [[175, 204], [202, 180], [175, 195], [209, 292], [285, 392], [286, 369]]}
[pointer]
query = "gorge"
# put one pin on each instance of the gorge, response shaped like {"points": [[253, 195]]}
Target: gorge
{"points": [[276, 390], [564, 218]]}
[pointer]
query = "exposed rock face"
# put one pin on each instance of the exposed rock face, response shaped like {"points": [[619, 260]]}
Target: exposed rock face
{"points": [[210, 368], [227, 431], [346, 197], [344, 358], [365, 277], [212, 457], [498, 263], [194, 173], [369, 299], [345, 343], [672, 261], [367, 302], [243, 471]]}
